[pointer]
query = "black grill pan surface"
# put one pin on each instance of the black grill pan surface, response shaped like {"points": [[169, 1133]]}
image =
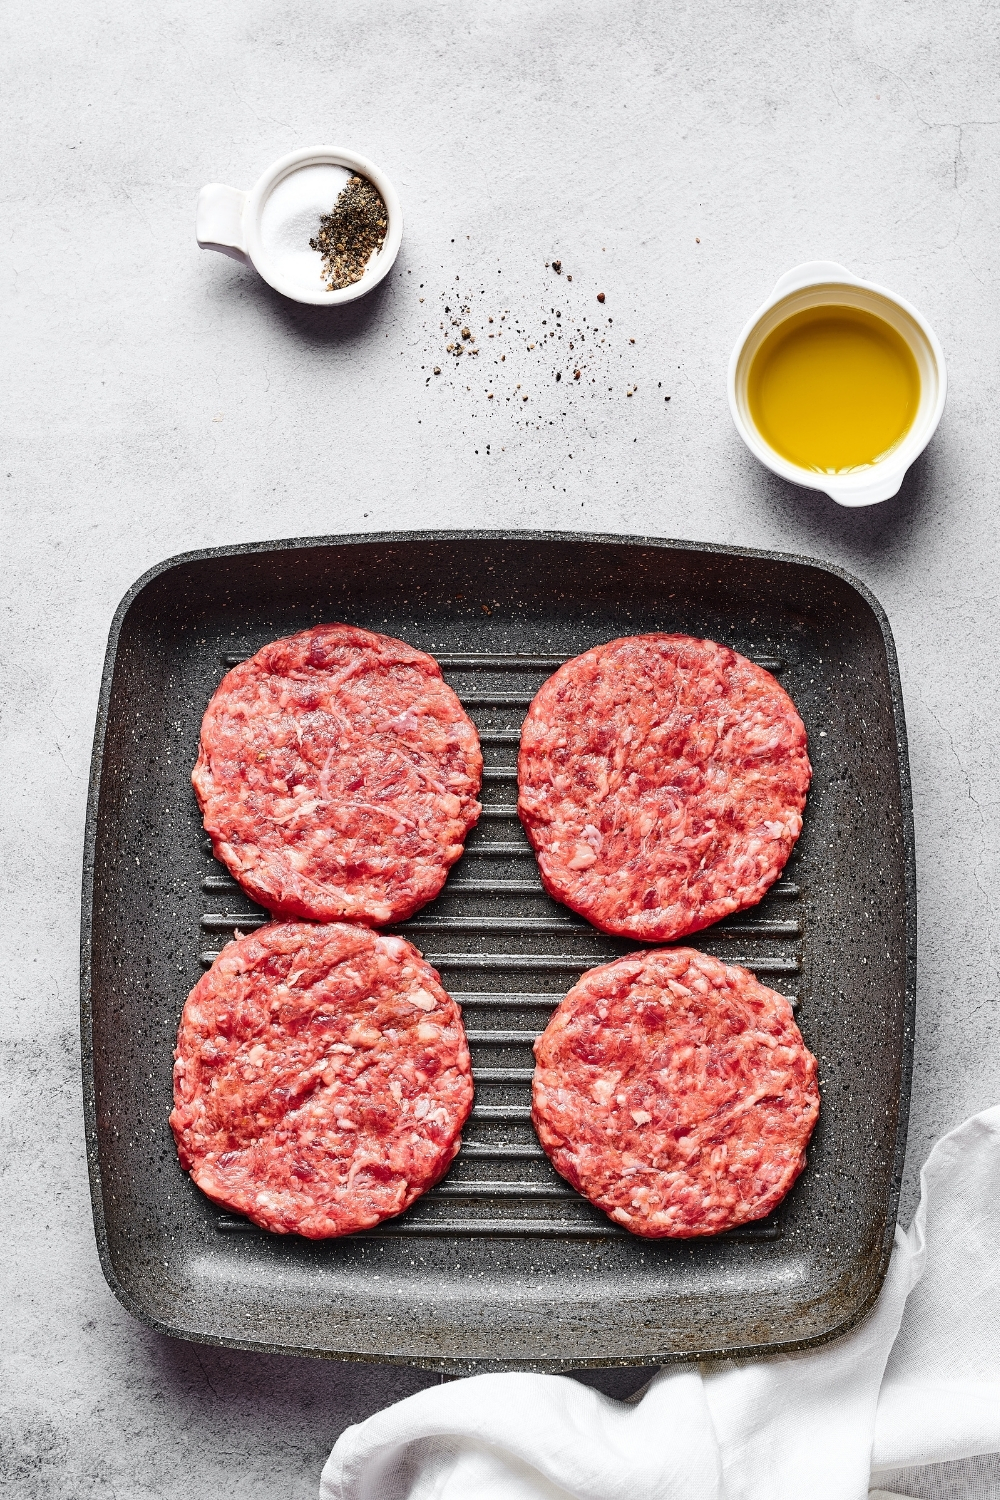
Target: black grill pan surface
{"points": [[503, 1264]]}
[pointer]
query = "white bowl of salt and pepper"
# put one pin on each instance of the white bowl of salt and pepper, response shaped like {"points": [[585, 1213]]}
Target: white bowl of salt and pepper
{"points": [[322, 225]]}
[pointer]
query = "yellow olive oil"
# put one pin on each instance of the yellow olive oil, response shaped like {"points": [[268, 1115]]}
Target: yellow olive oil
{"points": [[833, 389]]}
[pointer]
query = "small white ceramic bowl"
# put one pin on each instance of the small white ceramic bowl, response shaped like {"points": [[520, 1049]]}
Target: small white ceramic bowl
{"points": [[822, 283], [236, 223]]}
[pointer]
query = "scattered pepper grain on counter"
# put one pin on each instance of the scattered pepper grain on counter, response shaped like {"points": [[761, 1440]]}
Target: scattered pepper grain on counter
{"points": [[467, 324], [351, 233]]}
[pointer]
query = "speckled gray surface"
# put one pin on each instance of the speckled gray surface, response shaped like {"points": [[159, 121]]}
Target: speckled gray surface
{"points": [[162, 399]]}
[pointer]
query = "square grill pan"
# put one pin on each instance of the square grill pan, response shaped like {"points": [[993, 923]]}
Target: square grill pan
{"points": [[503, 1265]]}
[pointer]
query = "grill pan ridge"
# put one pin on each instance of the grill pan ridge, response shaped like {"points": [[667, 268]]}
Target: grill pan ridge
{"points": [[503, 1265]]}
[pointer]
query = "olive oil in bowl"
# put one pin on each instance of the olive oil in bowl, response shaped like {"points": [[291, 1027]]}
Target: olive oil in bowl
{"points": [[833, 389]]}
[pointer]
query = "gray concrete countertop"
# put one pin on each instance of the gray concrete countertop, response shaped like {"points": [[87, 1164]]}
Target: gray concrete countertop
{"points": [[158, 398]]}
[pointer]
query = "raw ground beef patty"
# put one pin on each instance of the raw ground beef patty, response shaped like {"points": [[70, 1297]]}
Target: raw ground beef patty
{"points": [[338, 775], [322, 1078], [661, 781], [676, 1093]]}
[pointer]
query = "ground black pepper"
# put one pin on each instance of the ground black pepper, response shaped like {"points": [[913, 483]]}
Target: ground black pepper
{"points": [[350, 234]]}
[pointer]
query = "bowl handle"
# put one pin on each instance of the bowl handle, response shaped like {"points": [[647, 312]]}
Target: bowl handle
{"points": [[808, 274], [882, 487], [219, 221]]}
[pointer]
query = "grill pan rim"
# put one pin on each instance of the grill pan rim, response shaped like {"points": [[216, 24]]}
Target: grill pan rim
{"points": [[908, 871]]}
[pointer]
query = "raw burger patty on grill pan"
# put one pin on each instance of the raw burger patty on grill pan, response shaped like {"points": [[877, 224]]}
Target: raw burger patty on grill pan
{"points": [[676, 1093], [661, 781], [322, 1078], [338, 775]]}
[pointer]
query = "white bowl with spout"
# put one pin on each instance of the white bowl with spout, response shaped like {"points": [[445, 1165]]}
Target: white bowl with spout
{"points": [[269, 226], [823, 283]]}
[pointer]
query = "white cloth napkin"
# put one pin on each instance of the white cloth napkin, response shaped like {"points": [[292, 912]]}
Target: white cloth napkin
{"points": [[917, 1382]]}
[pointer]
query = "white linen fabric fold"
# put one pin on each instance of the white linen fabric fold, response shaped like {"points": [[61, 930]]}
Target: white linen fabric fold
{"points": [[916, 1383]]}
